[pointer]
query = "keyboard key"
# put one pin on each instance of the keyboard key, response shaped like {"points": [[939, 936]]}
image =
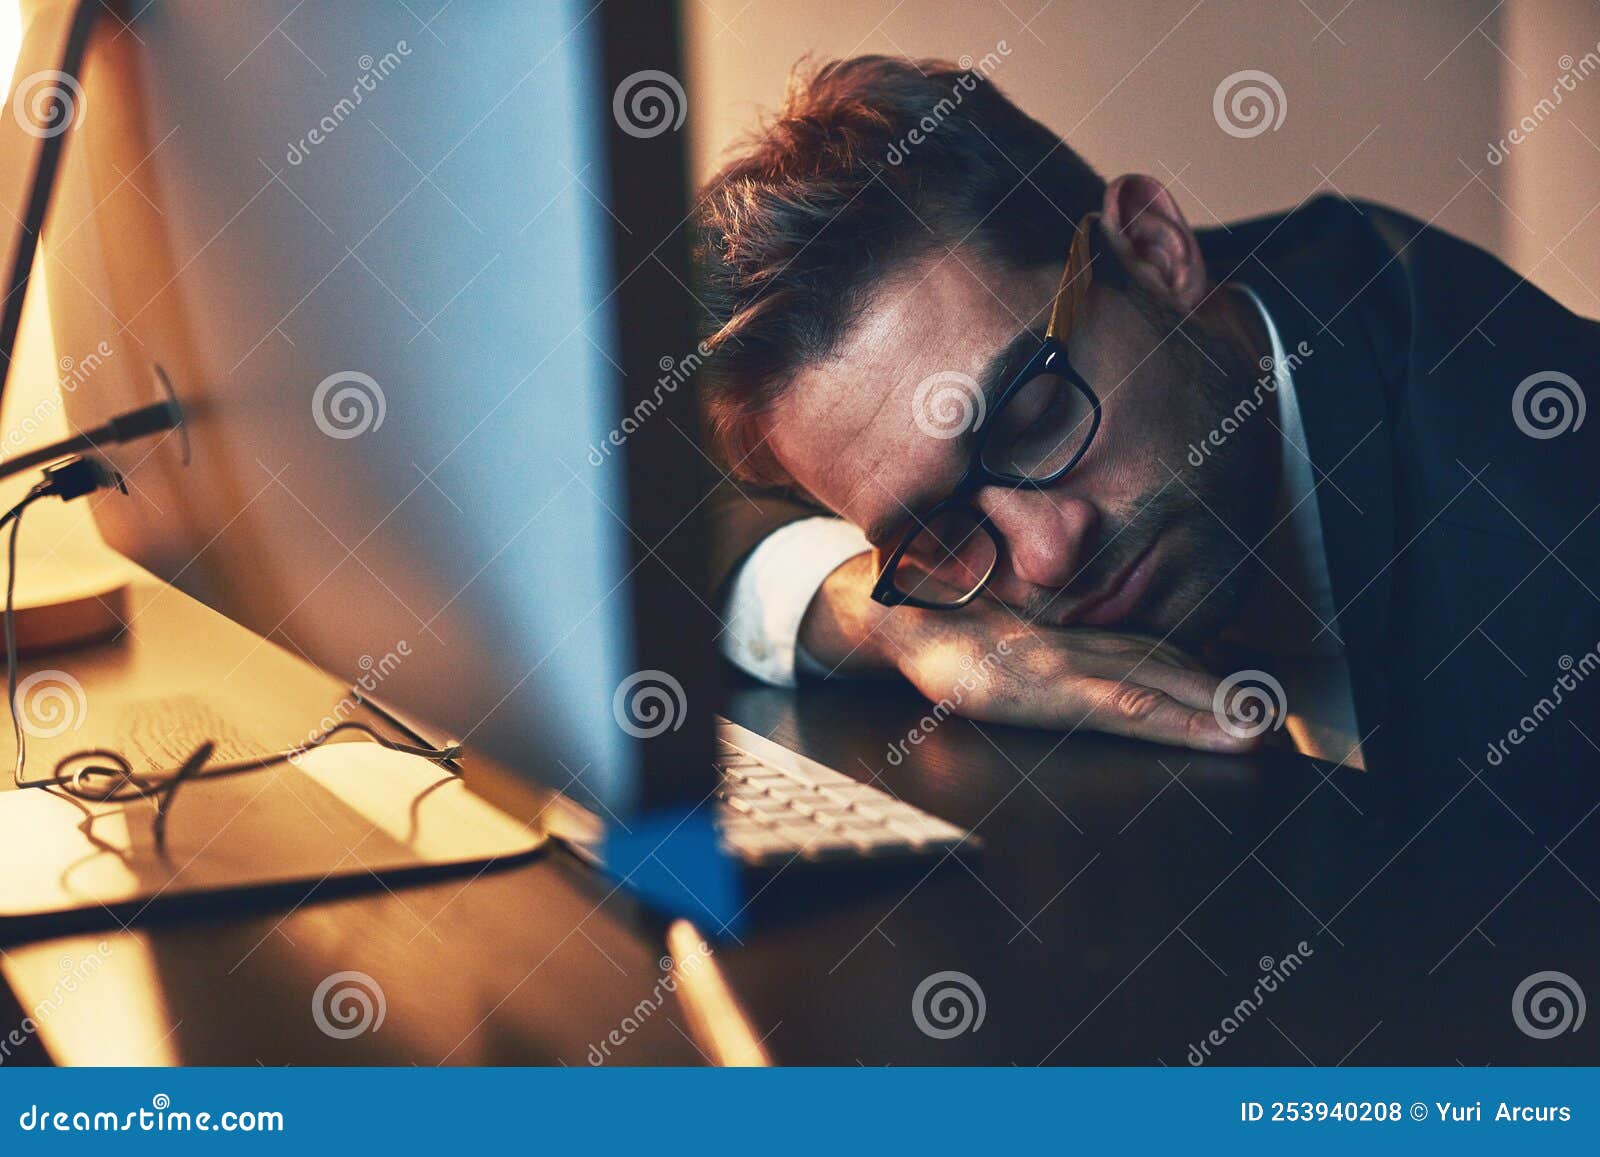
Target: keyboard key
{"points": [[908, 829], [936, 829], [824, 777], [798, 830], [830, 845], [761, 843], [851, 822], [846, 794], [772, 813], [766, 780], [767, 805]]}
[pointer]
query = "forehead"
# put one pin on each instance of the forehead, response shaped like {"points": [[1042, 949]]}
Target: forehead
{"points": [[846, 428]]}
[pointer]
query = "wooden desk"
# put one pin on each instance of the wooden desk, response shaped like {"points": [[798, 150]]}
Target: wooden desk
{"points": [[1127, 904], [529, 965], [1131, 897]]}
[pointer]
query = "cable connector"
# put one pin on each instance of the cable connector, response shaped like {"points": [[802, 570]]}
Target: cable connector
{"points": [[79, 475]]}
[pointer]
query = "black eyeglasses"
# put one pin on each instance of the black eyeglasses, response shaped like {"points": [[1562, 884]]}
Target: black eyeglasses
{"points": [[1037, 431]]}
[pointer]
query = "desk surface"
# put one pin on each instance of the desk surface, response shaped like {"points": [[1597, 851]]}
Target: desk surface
{"points": [[532, 964], [1130, 900], [1126, 907]]}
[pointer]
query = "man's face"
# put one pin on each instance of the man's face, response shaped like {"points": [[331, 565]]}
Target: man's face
{"points": [[1133, 537]]}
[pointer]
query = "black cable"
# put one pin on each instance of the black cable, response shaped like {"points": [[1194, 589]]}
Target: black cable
{"points": [[69, 480], [146, 420], [66, 480], [14, 517], [129, 784], [161, 788]]}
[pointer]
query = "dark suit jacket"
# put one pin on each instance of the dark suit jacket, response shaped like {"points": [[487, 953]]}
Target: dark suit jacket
{"points": [[1464, 552]]}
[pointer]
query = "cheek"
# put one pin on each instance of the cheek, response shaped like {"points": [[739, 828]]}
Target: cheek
{"points": [[1138, 439], [1148, 416]]}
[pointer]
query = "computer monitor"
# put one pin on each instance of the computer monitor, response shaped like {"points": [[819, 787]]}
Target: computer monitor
{"points": [[417, 275]]}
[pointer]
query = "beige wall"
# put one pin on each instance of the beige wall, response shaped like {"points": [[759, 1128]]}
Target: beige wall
{"points": [[1553, 174], [1392, 101], [1396, 101]]}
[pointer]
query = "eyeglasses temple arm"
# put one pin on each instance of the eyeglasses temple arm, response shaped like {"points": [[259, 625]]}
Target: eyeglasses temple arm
{"points": [[1074, 285]]}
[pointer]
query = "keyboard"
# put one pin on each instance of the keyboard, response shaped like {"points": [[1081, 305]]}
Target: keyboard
{"points": [[778, 806]]}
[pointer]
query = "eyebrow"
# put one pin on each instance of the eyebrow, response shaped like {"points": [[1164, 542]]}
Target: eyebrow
{"points": [[1009, 361]]}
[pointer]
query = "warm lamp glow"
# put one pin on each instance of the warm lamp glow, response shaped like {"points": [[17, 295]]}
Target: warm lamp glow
{"points": [[10, 36]]}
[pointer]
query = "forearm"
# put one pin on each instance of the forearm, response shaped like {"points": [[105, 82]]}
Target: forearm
{"points": [[777, 586], [843, 630], [808, 590]]}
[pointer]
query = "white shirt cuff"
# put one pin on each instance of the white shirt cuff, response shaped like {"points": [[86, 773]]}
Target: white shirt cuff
{"points": [[772, 589]]}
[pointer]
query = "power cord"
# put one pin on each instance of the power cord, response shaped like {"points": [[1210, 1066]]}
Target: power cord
{"points": [[92, 780], [126, 427], [66, 480]]}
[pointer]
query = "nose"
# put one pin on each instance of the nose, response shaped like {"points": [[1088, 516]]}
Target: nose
{"points": [[1046, 532]]}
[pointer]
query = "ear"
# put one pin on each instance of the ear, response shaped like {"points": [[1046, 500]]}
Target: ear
{"points": [[742, 441], [1149, 235]]}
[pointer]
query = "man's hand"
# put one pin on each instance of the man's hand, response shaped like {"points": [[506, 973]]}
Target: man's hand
{"points": [[1004, 670]]}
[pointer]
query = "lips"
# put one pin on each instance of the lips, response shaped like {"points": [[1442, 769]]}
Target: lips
{"points": [[1121, 596]]}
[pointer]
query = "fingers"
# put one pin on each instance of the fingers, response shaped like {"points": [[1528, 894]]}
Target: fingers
{"points": [[1192, 688], [1070, 679], [1143, 712], [1147, 662]]}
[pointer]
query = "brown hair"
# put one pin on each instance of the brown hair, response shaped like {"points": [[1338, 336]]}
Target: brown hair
{"points": [[870, 162]]}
